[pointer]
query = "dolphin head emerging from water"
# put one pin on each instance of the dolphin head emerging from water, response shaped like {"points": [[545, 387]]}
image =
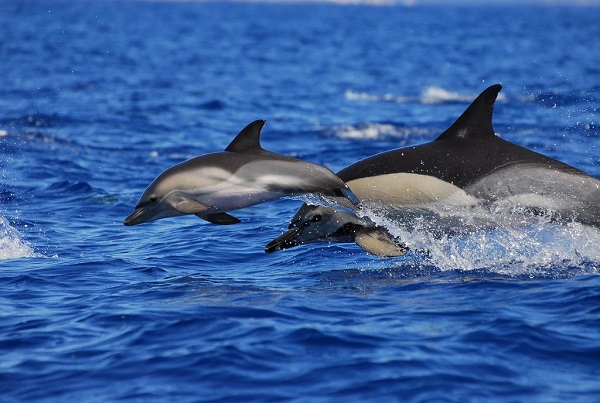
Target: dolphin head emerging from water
{"points": [[241, 176]]}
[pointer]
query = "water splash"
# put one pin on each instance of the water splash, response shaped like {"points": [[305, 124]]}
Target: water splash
{"points": [[12, 246], [504, 243], [338, 203]]}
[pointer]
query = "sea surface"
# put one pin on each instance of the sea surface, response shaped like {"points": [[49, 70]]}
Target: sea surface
{"points": [[97, 98]]}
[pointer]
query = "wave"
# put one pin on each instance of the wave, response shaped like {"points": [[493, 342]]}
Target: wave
{"points": [[12, 245], [429, 96], [376, 131]]}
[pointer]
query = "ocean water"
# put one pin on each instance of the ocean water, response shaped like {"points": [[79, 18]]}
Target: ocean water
{"points": [[97, 98]]}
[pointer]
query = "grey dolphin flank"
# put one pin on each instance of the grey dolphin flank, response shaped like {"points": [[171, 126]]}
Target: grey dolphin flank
{"points": [[466, 166], [243, 175]]}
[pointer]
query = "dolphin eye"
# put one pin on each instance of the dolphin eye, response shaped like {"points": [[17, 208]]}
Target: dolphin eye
{"points": [[147, 202], [306, 222]]}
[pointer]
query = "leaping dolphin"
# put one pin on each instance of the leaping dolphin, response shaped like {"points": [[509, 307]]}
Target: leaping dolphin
{"points": [[241, 176], [466, 166]]}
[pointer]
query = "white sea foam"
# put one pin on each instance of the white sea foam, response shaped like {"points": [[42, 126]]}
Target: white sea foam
{"points": [[518, 251], [12, 245], [517, 245], [377, 131], [429, 95], [438, 95]]}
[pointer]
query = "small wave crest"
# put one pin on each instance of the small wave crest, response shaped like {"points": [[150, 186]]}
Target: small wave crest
{"points": [[430, 95], [12, 245], [376, 131]]}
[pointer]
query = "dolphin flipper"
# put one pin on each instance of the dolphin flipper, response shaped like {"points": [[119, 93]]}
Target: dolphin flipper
{"points": [[347, 193], [218, 218], [377, 241]]}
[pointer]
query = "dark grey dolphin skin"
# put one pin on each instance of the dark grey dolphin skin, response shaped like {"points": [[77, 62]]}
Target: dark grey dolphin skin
{"points": [[243, 175], [467, 165]]}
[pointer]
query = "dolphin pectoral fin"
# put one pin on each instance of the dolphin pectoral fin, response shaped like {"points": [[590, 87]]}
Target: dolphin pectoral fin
{"points": [[218, 218], [347, 193], [379, 242], [190, 207]]}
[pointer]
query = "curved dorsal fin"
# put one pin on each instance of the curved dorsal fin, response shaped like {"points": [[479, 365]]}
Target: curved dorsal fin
{"points": [[476, 121], [248, 139]]}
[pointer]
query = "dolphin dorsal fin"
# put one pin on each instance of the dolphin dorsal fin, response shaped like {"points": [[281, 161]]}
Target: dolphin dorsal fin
{"points": [[248, 139], [476, 121]]}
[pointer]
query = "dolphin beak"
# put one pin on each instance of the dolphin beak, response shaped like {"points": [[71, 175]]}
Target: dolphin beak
{"points": [[284, 241], [135, 218]]}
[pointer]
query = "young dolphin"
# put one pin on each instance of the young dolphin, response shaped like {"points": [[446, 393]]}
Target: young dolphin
{"points": [[466, 166], [243, 175]]}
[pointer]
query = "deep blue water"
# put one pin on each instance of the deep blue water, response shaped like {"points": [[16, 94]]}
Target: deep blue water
{"points": [[97, 98]]}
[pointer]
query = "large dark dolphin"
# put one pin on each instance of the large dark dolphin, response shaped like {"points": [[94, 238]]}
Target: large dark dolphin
{"points": [[243, 175], [466, 166]]}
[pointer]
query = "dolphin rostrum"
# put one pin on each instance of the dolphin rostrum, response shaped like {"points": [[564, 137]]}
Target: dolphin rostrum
{"points": [[467, 166], [241, 176]]}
